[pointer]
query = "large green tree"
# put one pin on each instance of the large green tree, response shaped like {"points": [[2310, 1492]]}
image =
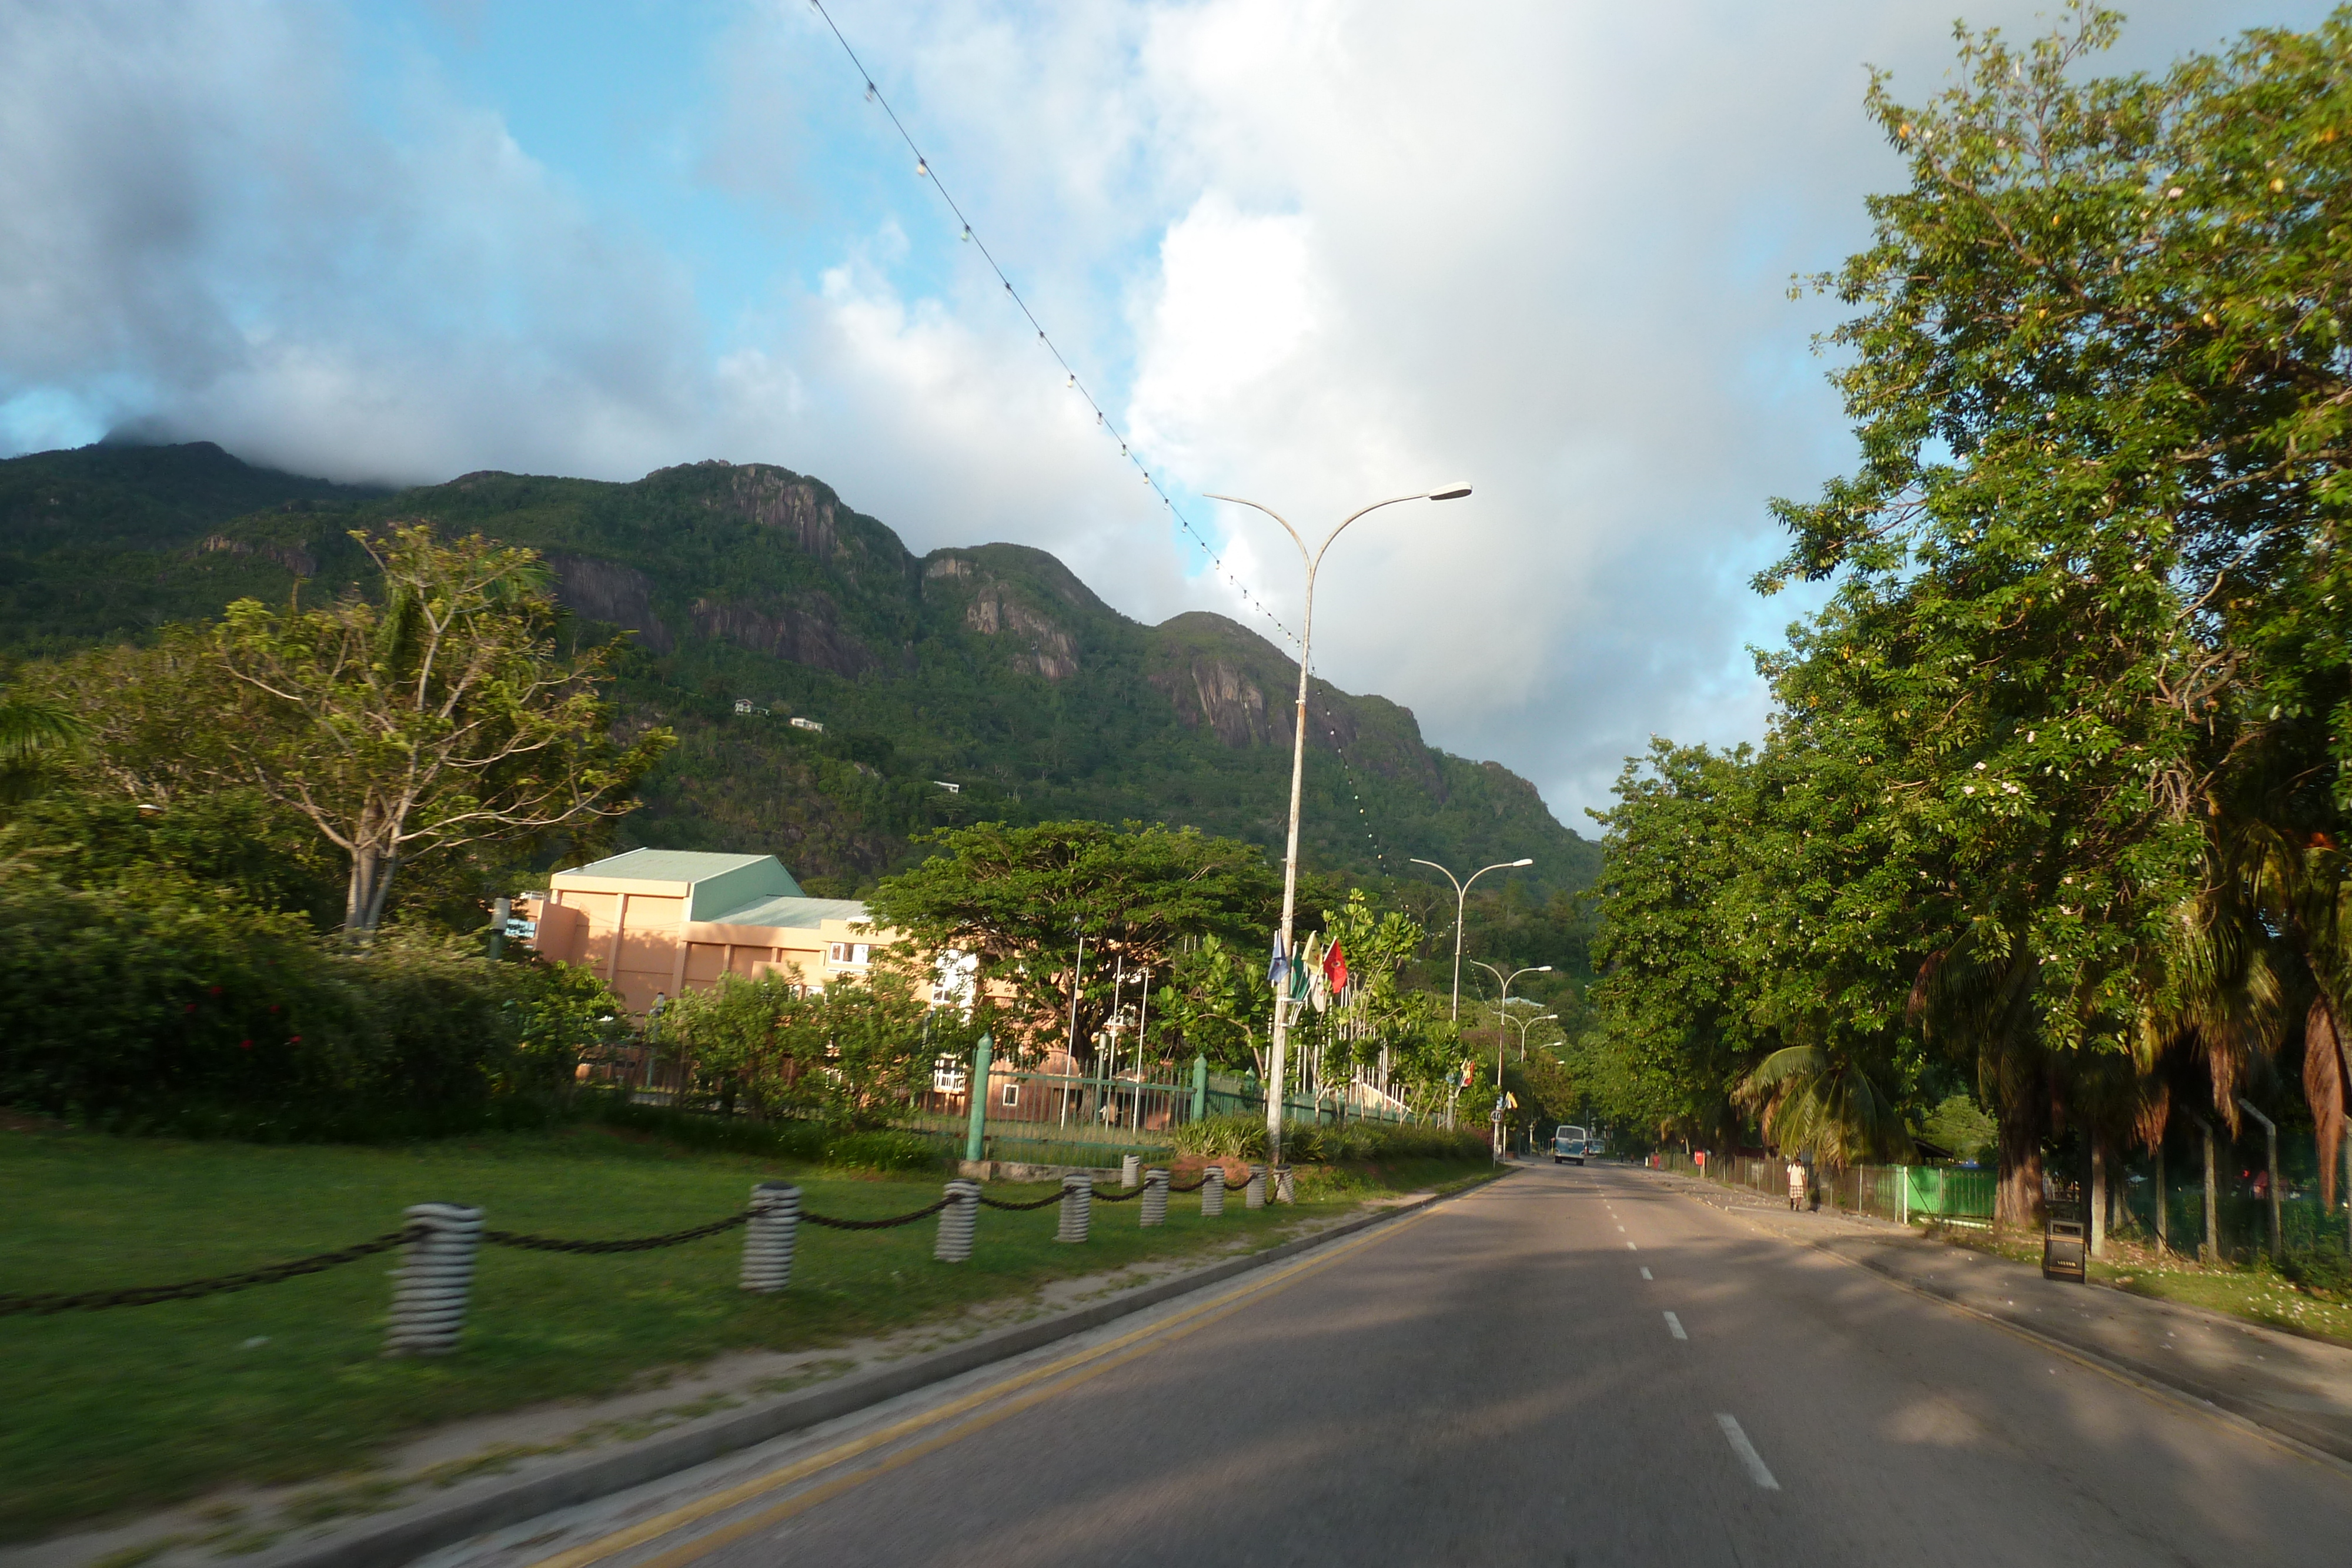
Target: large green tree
{"points": [[1020, 899], [443, 714]]}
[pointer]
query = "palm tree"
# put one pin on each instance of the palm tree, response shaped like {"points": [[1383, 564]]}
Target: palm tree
{"points": [[33, 730], [1825, 1103]]}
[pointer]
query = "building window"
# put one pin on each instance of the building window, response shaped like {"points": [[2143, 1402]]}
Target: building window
{"points": [[947, 1075], [1013, 1094], [851, 954]]}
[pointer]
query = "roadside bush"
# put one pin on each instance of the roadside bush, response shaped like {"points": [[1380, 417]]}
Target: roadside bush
{"points": [[844, 1055], [2322, 1270], [1243, 1138], [1236, 1137], [166, 1006], [880, 1151]]}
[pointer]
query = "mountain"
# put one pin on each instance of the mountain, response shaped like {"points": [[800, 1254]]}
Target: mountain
{"points": [[990, 668]]}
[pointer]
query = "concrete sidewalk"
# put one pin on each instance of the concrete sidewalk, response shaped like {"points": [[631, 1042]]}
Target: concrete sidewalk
{"points": [[2297, 1389]]}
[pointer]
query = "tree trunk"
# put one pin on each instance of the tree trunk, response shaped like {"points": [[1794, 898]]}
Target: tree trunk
{"points": [[363, 894], [2323, 1087], [2019, 1201]]}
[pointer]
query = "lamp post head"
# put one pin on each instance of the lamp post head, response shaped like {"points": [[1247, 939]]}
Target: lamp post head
{"points": [[1543, 968], [1449, 493], [1524, 861]]}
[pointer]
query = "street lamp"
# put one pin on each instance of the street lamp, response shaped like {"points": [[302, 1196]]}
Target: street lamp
{"points": [[1461, 897], [1504, 1005], [1297, 774], [1525, 1024]]}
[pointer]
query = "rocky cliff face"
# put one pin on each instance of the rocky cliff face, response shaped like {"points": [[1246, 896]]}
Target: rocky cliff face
{"points": [[1216, 693], [779, 499], [806, 632], [606, 591]]}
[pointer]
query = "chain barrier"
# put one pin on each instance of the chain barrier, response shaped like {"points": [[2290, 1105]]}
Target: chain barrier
{"points": [[640, 1244], [147, 1295], [923, 1213], [987, 1202]]}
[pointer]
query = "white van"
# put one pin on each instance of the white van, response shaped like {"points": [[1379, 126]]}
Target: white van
{"points": [[1569, 1144]]}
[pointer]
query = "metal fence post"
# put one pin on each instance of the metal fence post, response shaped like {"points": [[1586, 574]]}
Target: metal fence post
{"points": [[1077, 1206], [769, 1237], [2209, 1251], [1200, 1087], [428, 1305], [1213, 1192], [1254, 1194], [2270, 1135], [975, 1138], [1153, 1204], [955, 1222]]}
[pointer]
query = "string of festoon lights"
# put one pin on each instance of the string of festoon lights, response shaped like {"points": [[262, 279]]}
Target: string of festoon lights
{"points": [[1103, 420]]}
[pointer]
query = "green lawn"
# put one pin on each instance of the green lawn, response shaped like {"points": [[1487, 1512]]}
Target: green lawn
{"points": [[137, 1406]]}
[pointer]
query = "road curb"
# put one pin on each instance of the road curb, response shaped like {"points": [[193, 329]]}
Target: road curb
{"points": [[2315, 1443], [464, 1511]]}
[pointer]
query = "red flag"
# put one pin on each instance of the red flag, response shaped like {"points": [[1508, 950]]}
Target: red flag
{"points": [[1335, 969]]}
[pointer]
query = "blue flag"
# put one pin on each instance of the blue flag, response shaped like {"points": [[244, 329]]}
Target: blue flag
{"points": [[1278, 968]]}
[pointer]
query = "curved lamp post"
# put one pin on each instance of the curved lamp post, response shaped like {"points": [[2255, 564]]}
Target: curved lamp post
{"points": [[1503, 1007], [1526, 1024], [1314, 561], [1461, 898]]}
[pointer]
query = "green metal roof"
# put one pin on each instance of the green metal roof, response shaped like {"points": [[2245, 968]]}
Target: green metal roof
{"points": [[665, 865], [715, 882], [800, 914]]}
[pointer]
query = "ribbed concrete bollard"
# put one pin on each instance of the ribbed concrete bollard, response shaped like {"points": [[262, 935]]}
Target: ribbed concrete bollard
{"points": [[1130, 1167], [1254, 1194], [1213, 1192], [955, 1222], [769, 1235], [1077, 1206], [1284, 1191], [1154, 1201], [429, 1304]]}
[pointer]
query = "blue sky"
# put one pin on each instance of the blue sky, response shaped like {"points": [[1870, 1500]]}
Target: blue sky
{"points": [[1309, 251]]}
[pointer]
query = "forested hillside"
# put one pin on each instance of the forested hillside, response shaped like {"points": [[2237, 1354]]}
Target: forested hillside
{"points": [[991, 668]]}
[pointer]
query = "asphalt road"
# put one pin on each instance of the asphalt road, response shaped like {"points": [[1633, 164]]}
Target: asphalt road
{"points": [[1571, 1367]]}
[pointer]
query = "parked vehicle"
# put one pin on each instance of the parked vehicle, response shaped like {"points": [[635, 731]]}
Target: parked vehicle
{"points": [[1570, 1143]]}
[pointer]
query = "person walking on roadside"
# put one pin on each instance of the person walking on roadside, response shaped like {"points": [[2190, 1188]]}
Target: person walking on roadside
{"points": [[1796, 1184]]}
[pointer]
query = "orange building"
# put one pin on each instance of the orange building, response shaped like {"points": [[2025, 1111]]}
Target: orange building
{"points": [[662, 921]]}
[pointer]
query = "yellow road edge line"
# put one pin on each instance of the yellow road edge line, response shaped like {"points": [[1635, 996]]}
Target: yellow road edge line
{"points": [[2162, 1393], [702, 1546], [675, 1519]]}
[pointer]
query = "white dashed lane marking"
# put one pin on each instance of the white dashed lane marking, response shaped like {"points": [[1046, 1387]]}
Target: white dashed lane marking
{"points": [[1646, 1273], [1675, 1326], [1746, 1453]]}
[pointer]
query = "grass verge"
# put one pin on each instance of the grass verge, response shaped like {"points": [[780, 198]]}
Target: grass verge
{"points": [[2254, 1291], [136, 1408]]}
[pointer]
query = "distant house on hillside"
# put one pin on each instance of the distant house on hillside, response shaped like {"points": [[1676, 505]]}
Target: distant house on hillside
{"points": [[662, 921], [808, 723]]}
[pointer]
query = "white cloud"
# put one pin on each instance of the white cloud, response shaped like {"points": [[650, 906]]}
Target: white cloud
{"points": [[1315, 252]]}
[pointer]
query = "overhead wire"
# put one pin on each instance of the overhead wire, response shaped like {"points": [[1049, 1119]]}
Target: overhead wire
{"points": [[923, 170], [1103, 420]]}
